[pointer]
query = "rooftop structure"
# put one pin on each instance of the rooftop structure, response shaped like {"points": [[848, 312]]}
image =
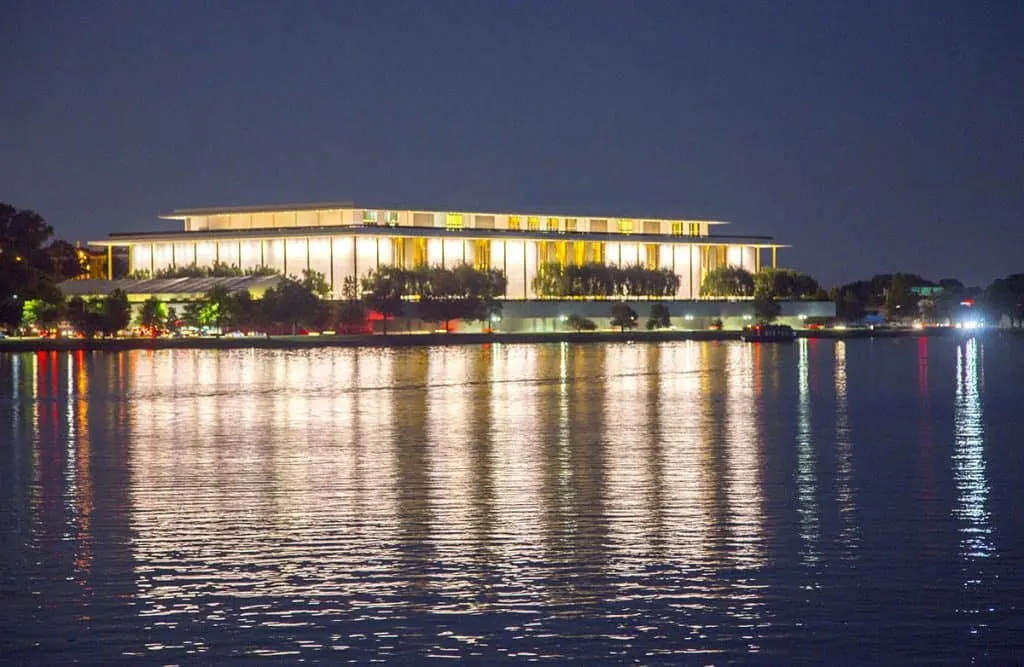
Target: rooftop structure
{"points": [[345, 240]]}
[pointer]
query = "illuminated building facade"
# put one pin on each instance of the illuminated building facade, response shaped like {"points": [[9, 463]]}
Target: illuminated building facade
{"points": [[345, 240]]}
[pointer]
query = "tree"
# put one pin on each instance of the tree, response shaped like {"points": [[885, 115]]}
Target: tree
{"points": [[66, 260], [293, 302], [153, 314], [350, 311], [766, 308], [115, 312], [659, 318], [315, 282], [580, 323], [899, 300], [623, 316], [383, 290], [43, 314], [463, 293], [786, 284], [726, 281], [26, 271]]}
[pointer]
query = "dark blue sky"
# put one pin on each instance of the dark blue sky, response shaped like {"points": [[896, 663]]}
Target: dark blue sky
{"points": [[873, 136]]}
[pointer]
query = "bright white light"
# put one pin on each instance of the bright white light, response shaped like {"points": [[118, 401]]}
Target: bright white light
{"points": [[688, 317]]}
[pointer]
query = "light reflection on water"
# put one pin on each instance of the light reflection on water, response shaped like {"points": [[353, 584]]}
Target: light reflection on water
{"points": [[598, 502]]}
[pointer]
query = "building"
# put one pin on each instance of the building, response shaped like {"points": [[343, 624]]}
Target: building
{"points": [[343, 240]]}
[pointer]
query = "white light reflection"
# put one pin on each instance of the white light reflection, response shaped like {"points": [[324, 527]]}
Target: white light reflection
{"points": [[627, 486], [688, 487], [806, 482], [971, 509], [516, 464], [450, 468], [744, 491], [848, 532]]}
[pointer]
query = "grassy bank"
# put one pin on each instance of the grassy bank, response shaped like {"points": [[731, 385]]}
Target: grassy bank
{"points": [[424, 339]]}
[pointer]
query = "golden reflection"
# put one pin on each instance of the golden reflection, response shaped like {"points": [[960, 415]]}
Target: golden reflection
{"points": [[687, 483], [627, 487], [743, 464], [516, 465], [806, 482], [969, 473], [450, 464], [744, 489], [848, 532]]}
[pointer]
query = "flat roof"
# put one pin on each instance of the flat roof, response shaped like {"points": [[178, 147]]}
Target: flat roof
{"points": [[181, 214], [404, 231], [93, 286]]}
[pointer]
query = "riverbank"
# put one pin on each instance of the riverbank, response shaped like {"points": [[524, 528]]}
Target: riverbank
{"points": [[432, 339]]}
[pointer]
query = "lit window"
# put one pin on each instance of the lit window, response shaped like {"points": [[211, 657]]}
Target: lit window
{"points": [[625, 226], [570, 224], [552, 224], [677, 228], [370, 217], [533, 223], [513, 222], [651, 255], [453, 222], [694, 229], [391, 217]]}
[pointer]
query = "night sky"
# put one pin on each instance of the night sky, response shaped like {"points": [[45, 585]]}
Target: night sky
{"points": [[872, 136]]}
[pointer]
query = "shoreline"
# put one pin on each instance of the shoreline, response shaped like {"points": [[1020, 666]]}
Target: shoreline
{"points": [[435, 339]]}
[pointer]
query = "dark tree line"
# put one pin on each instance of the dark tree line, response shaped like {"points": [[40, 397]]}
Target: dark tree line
{"points": [[31, 264], [440, 295], [602, 280]]}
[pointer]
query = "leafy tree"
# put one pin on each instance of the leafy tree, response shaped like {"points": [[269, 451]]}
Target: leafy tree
{"points": [[786, 284], [43, 314], [106, 315], [766, 308], [153, 314], [383, 290], [115, 312], [659, 318], [462, 293], [315, 282], [83, 316], [595, 279], [1005, 297], [623, 316], [726, 281], [580, 323], [899, 300], [26, 271], [293, 302], [66, 261], [350, 311]]}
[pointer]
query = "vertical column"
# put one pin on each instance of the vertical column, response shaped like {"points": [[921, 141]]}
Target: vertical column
{"points": [[774, 257], [110, 262]]}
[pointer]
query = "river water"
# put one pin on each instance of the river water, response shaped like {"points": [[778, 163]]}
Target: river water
{"points": [[679, 503]]}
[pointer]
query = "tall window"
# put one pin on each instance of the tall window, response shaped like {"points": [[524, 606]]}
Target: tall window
{"points": [[514, 222], [453, 222], [533, 223], [570, 224], [481, 254], [652, 255], [390, 217], [369, 217], [419, 252], [625, 226], [552, 224], [694, 229], [677, 228]]}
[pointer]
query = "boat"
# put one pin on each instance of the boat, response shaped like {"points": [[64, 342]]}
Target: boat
{"points": [[768, 333]]}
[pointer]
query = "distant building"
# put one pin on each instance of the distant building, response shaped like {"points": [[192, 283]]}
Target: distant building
{"points": [[344, 240]]}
